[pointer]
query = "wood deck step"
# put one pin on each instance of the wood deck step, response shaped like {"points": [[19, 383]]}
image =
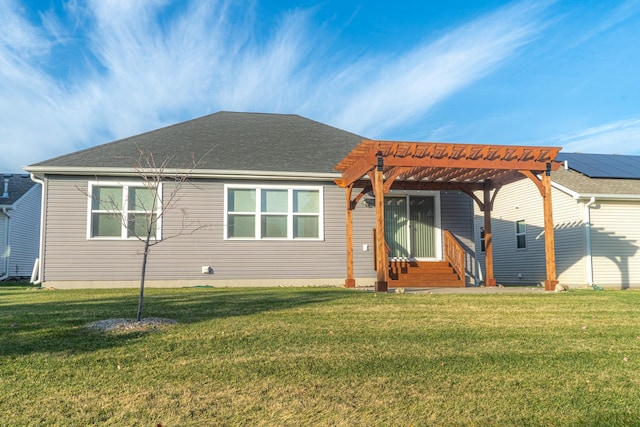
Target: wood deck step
{"points": [[405, 273]]}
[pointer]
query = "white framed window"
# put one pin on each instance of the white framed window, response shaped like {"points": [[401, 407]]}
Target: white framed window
{"points": [[521, 234], [273, 212], [123, 210]]}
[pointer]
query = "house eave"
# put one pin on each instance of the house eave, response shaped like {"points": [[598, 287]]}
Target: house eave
{"points": [[198, 173], [598, 196], [625, 197]]}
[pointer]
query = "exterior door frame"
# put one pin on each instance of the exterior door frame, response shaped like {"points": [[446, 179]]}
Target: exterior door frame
{"points": [[437, 219]]}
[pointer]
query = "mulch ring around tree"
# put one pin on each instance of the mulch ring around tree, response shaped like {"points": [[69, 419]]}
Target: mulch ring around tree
{"points": [[130, 325]]}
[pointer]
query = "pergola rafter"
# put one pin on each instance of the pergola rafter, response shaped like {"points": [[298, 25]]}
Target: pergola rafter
{"points": [[382, 166]]}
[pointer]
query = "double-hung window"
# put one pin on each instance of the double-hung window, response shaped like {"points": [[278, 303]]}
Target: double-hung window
{"points": [[123, 211], [274, 212]]}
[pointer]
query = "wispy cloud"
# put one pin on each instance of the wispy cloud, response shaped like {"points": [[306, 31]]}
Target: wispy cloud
{"points": [[395, 89], [620, 137], [618, 14], [147, 64]]}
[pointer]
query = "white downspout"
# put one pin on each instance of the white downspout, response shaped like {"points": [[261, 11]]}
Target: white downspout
{"points": [[37, 268], [6, 238], [587, 223]]}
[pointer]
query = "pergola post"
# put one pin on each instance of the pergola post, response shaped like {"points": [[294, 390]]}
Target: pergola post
{"points": [[438, 166], [549, 238], [382, 261], [488, 237], [350, 281]]}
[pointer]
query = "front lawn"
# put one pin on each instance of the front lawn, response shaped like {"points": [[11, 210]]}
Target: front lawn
{"points": [[320, 356]]}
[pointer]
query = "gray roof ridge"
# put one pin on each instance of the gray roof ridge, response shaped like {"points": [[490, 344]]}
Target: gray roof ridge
{"points": [[102, 146]]}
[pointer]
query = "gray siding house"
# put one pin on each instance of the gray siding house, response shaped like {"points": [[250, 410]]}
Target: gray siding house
{"points": [[596, 206], [19, 225], [259, 207]]}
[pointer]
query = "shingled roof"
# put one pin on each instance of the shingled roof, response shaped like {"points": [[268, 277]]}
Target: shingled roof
{"points": [[576, 180], [225, 141], [17, 186]]}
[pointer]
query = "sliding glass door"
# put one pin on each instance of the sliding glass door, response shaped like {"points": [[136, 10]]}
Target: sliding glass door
{"points": [[410, 226]]}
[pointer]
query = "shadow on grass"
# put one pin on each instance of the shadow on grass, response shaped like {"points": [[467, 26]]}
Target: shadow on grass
{"points": [[56, 321]]}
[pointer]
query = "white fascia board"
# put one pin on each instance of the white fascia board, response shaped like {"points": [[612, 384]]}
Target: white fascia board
{"points": [[588, 196], [598, 196], [199, 173]]}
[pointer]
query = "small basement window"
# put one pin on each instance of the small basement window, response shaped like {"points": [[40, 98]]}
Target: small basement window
{"points": [[521, 234]]}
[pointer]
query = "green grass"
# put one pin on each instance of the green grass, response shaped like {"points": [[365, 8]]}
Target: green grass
{"points": [[321, 356]]}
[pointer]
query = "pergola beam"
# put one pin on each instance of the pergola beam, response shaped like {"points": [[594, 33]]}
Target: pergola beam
{"points": [[393, 165]]}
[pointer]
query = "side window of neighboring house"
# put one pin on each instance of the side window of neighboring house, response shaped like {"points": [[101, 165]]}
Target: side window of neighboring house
{"points": [[482, 242], [123, 211], [273, 213], [521, 234]]}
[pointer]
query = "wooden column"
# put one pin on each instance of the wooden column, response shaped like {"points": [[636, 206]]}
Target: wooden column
{"points": [[489, 279], [349, 282], [382, 260], [549, 238]]}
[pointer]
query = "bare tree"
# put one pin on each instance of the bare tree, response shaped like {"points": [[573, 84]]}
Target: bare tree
{"points": [[147, 204]]}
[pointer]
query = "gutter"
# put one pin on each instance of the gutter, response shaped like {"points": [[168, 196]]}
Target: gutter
{"points": [[36, 274], [587, 223], [599, 196], [197, 173], [6, 238]]}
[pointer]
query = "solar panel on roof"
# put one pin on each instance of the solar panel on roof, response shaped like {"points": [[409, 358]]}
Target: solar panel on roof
{"points": [[603, 165]]}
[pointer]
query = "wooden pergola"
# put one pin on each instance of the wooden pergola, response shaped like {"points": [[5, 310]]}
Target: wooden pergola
{"points": [[381, 166]]}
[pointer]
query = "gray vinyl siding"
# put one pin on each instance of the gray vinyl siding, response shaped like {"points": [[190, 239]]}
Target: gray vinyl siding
{"points": [[615, 237], [364, 221], [24, 235], [457, 217], [4, 244], [70, 256], [522, 201]]}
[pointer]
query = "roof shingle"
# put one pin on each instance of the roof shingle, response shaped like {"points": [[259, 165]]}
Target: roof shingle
{"points": [[226, 141]]}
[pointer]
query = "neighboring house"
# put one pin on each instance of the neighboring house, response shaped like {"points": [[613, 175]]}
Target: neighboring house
{"points": [[19, 225], [264, 187], [596, 206]]}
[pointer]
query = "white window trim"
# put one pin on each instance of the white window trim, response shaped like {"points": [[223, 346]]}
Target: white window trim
{"points": [[125, 194], [521, 234], [290, 214], [438, 217]]}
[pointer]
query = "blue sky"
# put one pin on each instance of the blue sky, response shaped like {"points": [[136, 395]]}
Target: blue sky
{"points": [[74, 74]]}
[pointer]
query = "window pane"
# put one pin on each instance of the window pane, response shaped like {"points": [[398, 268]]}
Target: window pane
{"points": [[305, 201], [521, 227], [305, 227], [242, 200], [274, 226], [106, 225], [141, 199], [242, 226], [275, 200], [521, 241], [139, 224], [107, 198]]}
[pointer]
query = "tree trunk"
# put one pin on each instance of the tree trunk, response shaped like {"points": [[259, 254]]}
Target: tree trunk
{"points": [[142, 276]]}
